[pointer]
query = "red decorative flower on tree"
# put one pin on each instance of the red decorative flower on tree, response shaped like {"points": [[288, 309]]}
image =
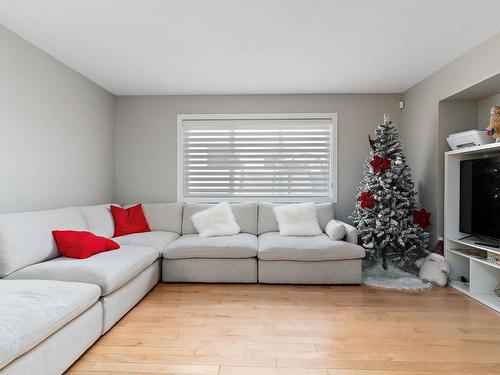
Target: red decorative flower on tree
{"points": [[422, 218], [380, 165], [367, 199]]}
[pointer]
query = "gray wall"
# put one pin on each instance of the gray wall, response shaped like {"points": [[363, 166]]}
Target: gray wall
{"points": [[56, 132], [420, 118], [146, 143]]}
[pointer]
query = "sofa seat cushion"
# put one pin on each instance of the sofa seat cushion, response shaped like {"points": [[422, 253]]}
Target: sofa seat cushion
{"points": [[109, 270], [273, 246], [157, 240], [32, 310], [237, 246]]}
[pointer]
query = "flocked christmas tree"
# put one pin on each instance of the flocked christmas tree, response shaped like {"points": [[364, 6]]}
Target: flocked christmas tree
{"points": [[389, 227]]}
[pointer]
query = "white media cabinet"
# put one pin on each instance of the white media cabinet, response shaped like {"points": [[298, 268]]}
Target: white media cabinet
{"points": [[483, 275]]}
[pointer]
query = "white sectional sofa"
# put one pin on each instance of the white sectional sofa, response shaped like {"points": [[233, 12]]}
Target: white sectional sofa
{"points": [[77, 300]]}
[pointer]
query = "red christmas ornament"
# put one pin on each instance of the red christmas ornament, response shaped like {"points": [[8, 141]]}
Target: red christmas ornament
{"points": [[422, 218], [380, 165], [367, 199]]}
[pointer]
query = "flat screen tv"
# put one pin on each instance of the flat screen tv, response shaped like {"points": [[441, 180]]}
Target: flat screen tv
{"points": [[480, 197]]}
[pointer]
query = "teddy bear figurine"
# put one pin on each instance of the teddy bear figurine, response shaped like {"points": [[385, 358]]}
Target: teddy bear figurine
{"points": [[434, 269], [493, 129]]}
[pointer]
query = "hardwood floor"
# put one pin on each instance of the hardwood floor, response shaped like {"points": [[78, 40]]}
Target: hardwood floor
{"points": [[298, 330]]}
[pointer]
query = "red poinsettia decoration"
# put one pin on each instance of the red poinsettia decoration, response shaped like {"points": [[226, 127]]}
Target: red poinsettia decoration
{"points": [[380, 165], [422, 218], [367, 199]]}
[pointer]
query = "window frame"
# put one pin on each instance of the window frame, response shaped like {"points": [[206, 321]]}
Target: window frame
{"points": [[259, 116]]}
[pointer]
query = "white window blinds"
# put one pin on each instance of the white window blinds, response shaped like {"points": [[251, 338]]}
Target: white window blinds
{"points": [[283, 158]]}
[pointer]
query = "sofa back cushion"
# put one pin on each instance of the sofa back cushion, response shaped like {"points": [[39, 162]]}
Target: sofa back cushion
{"points": [[244, 213], [99, 219], [268, 223], [26, 237], [165, 217]]}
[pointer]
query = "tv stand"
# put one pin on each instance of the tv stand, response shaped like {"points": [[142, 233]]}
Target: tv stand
{"points": [[461, 249]]}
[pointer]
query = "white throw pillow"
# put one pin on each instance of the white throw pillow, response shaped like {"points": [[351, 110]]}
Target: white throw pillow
{"points": [[298, 220], [217, 220], [335, 230]]}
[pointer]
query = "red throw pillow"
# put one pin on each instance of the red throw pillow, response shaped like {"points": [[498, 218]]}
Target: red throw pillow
{"points": [[81, 244], [129, 220]]}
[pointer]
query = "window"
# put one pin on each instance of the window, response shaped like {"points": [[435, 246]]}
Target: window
{"points": [[277, 157]]}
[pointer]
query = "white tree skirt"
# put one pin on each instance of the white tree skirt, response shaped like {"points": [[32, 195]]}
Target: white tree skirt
{"points": [[392, 278]]}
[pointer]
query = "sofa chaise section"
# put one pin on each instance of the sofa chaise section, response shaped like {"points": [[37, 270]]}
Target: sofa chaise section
{"points": [[223, 259], [28, 251], [46, 325]]}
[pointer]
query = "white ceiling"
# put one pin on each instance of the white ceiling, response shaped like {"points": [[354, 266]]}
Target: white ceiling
{"points": [[133, 47]]}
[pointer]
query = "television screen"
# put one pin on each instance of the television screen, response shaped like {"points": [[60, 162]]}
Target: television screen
{"points": [[480, 197]]}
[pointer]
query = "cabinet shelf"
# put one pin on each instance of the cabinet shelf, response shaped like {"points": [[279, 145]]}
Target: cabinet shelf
{"points": [[490, 147], [474, 245], [474, 258], [482, 275]]}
